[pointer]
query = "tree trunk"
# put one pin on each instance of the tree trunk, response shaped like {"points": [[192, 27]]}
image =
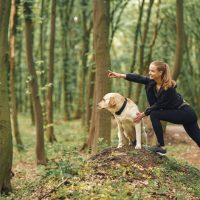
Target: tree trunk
{"points": [[6, 147], [90, 95], [135, 45], [41, 53], [80, 111], [31, 107], [157, 27], [179, 44], [43, 64], [40, 152], [66, 8], [50, 129], [142, 48], [90, 113], [91, 136], [20, 90], [102, 60], [15, 127], [116, 13], [179, 39]]}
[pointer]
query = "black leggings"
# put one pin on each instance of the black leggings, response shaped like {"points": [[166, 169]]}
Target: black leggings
{"points": [[185, 116]]}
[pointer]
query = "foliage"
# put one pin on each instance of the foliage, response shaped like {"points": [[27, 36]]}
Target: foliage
{"points": [[124, 18]]}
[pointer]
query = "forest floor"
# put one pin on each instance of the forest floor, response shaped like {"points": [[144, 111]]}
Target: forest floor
{"points": [[181, 146], [111, 174]]}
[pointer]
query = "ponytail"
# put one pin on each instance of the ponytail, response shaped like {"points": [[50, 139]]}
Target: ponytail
{"points": [[166, 78]]}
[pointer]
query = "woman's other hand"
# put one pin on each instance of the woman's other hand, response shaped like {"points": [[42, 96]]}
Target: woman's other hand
{"points": [[112, 74], [138, 117]]}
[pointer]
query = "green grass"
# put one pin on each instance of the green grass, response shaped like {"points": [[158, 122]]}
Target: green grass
{"points": [[119, 174]]}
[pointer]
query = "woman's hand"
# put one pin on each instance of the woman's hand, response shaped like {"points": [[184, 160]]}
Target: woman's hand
{"points": [[138, 117], [115, 75]]}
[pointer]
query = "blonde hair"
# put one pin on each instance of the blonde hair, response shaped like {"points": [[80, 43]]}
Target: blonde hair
{"points": [[167, 81]]}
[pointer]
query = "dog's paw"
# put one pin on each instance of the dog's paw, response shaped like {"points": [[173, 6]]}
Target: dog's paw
{"points": [[138, 147], [120, 146]]}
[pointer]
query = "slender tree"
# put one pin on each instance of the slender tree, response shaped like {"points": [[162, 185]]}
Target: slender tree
{"points": [[83, 70], [66, 9], [179, 39], [15, 126], [6, 152], [40, 152], [50, 129], [135, 43], [179, 44], [18, 59], [142, 48], [90, 94], [41, 50], [157, 27]]}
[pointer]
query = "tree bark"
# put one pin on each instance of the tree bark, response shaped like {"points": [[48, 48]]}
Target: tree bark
{"points": [[179, 39], [179, 44], [50, 128], [40, 152], [157, 27], [66, 8], [141, 50], [90, 95], [80, 111], [6, 147], [102, 61], [15, 126], [135, 45], [90, 113], [41, 53], [18, 55]]}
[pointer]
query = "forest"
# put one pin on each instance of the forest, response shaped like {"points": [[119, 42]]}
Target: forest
{"points": [[54, 61]]}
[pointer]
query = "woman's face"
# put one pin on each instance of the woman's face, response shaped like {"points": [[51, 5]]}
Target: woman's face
{"points": [[154, 73]]}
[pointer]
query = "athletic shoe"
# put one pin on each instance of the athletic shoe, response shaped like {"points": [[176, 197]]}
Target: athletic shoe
{"points": [[158, 150]]}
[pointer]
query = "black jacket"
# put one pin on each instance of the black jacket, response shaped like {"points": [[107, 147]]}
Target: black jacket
{"points": [[165, 99]]}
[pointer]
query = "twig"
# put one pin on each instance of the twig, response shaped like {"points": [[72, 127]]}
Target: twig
{"points": [[65, 182]]}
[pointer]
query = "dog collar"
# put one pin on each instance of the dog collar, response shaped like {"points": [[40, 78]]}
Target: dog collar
{"points": [[122, 108]]}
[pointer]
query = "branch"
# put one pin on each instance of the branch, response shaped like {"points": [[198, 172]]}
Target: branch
{"points": [[65, 182]]}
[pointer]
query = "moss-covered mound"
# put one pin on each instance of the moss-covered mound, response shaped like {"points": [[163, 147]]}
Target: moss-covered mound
{"points": [[138, 174]]}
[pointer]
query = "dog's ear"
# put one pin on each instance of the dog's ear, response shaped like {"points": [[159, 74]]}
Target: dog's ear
{"points": [[112, 102]]}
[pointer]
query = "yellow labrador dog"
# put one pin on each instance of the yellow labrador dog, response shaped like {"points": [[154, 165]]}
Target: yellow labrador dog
{"points": [[124, 111]]}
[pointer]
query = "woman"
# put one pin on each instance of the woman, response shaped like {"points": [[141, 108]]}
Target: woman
{"points": [[165, 103]]}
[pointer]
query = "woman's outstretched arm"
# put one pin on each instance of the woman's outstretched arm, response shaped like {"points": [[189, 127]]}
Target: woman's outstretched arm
{"points": [[130, 77], [112, 74]]}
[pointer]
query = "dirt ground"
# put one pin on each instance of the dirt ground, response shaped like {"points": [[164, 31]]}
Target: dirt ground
{"points": [[181, 145]]}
